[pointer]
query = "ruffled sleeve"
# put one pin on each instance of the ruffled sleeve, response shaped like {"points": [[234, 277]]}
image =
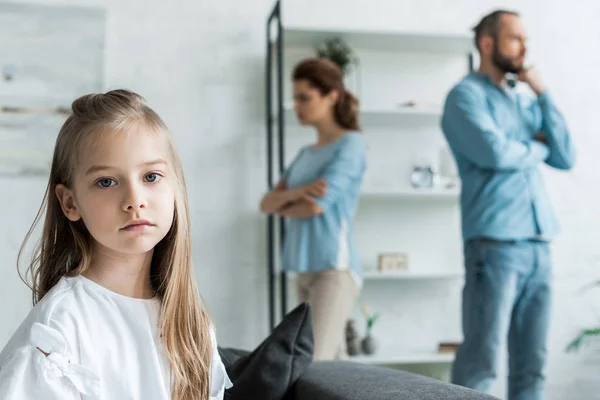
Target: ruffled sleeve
{"points": [[29, 374], [219, 380]]}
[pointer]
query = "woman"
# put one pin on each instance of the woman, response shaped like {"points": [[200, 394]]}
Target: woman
{"points": [[319, 194]]}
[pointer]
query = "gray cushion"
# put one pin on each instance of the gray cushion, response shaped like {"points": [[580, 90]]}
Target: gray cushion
{"points": [[335, 380], [275, 365]]}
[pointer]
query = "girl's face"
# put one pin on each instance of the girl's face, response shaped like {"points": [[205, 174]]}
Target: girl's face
{"points": [[311, 107], [123, 190]]}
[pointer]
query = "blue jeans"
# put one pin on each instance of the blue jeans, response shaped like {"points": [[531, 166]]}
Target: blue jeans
{"points": [[506, 295]]}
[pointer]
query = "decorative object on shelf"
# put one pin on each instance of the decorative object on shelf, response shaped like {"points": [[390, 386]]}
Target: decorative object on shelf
{"points": [[448, 171], [8, 72], [369, 343], [423, 176], [352, 339], [392, 262], [420, 105], [448, 347], [338, 51]]}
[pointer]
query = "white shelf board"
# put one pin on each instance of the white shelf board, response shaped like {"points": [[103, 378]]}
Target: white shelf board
{"points": [[371, 275], [401, 111], [404, 359], [297, 36], [412, 275], [374, 115], [411, 193]]}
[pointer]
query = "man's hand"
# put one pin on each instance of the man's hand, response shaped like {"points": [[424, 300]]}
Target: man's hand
{"points": [[533, 78]]}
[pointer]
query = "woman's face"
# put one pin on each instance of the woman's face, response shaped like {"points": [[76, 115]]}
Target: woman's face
{"points": [[310, 106]]}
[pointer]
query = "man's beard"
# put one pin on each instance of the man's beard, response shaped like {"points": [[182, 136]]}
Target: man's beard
{"points": [[505, 64]]}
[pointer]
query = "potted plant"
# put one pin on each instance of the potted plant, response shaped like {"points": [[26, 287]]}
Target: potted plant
{"points": [[585, 334], [338, 51], [369, 344]]}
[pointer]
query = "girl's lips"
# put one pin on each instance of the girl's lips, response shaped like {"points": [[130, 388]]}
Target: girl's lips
{"points": [[137, 225]]}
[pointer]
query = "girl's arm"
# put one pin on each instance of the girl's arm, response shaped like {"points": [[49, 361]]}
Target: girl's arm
{"points": [[281, 197], [42, 369]]}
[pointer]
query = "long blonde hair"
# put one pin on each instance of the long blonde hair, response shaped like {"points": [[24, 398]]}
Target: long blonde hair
{"points": [[65, 247]]}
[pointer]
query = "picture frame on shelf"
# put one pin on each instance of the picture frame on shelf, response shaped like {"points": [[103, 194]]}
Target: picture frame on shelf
{"points": [[448, 347], [392, 262]]}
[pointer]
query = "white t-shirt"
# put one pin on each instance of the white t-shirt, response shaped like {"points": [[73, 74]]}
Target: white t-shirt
{"points": [[102, 345]]}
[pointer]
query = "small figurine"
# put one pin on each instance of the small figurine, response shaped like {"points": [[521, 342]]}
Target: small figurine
{"points": [[352, 340]]}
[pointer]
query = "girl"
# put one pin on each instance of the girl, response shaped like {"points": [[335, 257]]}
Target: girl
{"points": [[117, 314], [319, 195]]}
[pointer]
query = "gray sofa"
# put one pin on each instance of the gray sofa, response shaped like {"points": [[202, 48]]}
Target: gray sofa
{"points": [[282, 368], [346, 380], [353, 381]]}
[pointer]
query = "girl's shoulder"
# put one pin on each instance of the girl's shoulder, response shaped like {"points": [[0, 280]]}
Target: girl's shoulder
{"points": [[59, 300], [48, 312], [41, 349]]}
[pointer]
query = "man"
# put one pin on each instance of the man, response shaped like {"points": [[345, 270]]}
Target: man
{"points": [[499, 135]]}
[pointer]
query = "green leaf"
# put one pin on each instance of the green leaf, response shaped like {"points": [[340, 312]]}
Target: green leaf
{"points": [[336, 50], [575, 345], [371, 321]]}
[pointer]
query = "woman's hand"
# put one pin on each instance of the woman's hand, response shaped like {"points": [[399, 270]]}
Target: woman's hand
{"points": [[282, 197], [316, 188], [305, 207]]}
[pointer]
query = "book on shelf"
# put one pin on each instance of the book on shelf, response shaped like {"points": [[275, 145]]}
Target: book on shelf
{"points": [[448, 347]]}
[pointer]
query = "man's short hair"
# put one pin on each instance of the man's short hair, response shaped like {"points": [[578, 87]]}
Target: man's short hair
{"points": [[490, 24]]}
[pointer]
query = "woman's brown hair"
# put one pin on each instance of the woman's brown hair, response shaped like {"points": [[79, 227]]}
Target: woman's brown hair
{"points": [[325, 76], [65, 247]]}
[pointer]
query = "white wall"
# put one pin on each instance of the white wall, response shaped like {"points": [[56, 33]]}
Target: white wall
{"points": [[201, 64]]}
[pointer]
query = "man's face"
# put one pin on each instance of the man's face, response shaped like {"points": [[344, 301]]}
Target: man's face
{"points": [[509, 46]]}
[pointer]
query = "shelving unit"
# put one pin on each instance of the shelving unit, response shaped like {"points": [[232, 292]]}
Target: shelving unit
{"points": [[385, 114]]}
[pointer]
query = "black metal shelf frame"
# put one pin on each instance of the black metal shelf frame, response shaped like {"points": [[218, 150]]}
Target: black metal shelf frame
{"points": [[275, 45]]}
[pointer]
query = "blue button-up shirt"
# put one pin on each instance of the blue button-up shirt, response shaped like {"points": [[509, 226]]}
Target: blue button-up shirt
{"points": [[490, 130]]}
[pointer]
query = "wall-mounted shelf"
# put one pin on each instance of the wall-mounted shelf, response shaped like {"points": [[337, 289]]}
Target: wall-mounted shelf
{"points": [[382, 115], [34, 111], [297, 36], [405, 359], [371, 275], [410, 193]]}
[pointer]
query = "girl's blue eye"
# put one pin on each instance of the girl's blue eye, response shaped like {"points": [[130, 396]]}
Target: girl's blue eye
{"points": [[106, 182], [152, 177]]}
